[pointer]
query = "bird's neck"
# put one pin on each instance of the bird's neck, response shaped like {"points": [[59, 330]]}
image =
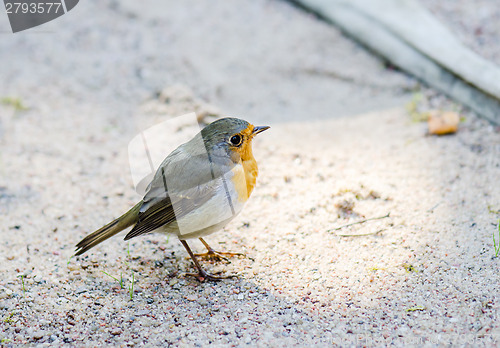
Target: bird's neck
{"points": [[251, 172], [248, 176]]}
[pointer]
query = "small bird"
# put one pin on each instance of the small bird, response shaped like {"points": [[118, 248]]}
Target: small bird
{"points": [[197, 189]]}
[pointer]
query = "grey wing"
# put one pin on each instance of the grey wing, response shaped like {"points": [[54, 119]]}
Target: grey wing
{"points": [[168, 209], [181, 184], [181, 172]]}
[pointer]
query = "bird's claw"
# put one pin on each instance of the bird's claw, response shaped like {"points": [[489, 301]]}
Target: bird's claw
{"points": [[217, 256], [204, 276]]}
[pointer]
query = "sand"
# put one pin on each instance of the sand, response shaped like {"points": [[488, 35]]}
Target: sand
{"points": [[342, 149]]}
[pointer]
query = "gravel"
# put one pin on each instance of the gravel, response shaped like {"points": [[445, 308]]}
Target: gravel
{"points": [[423, 275]]}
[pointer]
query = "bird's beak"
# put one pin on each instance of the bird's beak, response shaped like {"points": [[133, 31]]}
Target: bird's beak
{"points": [[259, 129]]}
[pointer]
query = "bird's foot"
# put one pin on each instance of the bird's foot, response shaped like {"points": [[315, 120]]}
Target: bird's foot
{"points": [[212, 255], [204, 276]]}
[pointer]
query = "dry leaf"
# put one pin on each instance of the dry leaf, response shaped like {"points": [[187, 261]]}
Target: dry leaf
{"points": [[441, 123]]}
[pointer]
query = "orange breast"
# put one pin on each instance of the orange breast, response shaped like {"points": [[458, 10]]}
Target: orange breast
{"points": [[245, 176], [244, 179], [251, 172]]}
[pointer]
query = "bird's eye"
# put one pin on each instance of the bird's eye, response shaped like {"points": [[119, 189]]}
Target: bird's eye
{"points": [[236, 140]]}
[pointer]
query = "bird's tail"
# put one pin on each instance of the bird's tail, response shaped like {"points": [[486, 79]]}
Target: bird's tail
{"points": [[128, 219]]}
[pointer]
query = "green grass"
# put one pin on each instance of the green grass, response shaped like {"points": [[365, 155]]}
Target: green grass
{"points": [[413, 106], [16, 103], [8, 319], [374, 269], [493, 210], [131, 288], [495, 245], [22, 282], [409, 268], [120, 281], [416, 308]]}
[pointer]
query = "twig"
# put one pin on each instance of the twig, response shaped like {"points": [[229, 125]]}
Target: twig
{"points": [[359, 222], [360, 235], [434, 207]]}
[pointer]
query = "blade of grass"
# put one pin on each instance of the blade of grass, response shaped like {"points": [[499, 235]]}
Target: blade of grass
{"points": [[8, 319], [16, 103], [120, 281], [131, 287], [22, 281], [495, 245]]}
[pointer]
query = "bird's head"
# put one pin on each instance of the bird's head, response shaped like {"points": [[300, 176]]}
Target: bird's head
{"points": [[231, 136]]}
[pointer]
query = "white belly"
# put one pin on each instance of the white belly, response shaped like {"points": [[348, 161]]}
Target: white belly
{"points": [[215, 213]]}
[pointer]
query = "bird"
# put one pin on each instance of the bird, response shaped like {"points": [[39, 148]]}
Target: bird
{"points": [[197, 189]]}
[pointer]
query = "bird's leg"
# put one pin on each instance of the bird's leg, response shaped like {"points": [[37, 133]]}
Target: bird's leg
{"points": [[202, 275], [213, 255]]}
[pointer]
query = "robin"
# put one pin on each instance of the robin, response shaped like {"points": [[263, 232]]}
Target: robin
{"points": [[197, 189]]}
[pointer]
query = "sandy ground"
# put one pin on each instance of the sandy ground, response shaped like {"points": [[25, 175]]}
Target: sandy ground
{"points": [[422, 274]]}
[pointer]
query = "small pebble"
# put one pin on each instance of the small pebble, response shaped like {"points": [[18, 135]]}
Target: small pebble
{"points": [[38, 334], [116, 331]]}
